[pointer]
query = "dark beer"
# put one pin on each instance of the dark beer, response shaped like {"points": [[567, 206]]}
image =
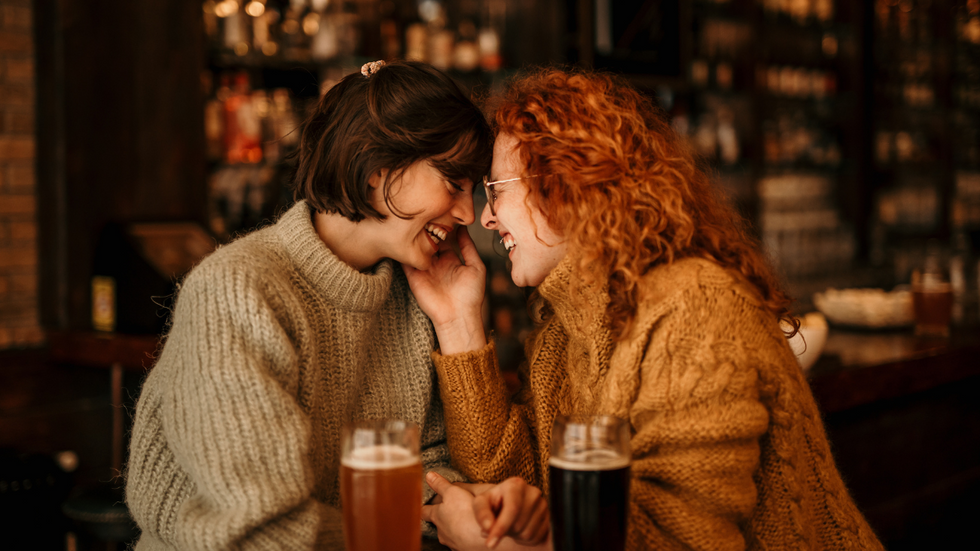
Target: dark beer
{"points": [[589, 499]]}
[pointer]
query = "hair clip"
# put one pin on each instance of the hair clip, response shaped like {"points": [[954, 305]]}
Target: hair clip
{"points": [[372, 67]]}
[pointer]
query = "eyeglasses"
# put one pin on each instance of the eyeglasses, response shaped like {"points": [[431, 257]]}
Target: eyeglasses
{"points": [[492, 195]]}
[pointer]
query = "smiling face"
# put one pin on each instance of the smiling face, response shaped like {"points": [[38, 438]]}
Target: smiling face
{"points": [[434, 205], [533, 247]]}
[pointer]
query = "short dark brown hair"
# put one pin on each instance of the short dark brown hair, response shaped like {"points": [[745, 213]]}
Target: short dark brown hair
{"points": [[404, 113]]}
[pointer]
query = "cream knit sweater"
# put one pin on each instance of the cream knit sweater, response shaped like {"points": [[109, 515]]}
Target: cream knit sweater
{"points": [[729, 451], [275, 343]]}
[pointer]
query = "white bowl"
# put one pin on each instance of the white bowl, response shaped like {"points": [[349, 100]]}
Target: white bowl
{"points": [[867, 308]]}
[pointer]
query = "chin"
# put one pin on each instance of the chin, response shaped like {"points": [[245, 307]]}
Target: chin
{"points": [[422, 263], [522, 278], [522, 281]]}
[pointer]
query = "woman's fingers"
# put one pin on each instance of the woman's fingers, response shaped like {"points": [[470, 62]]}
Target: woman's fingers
{"points": [[473, 488], [532, 501], [483, 510], [467, 248], [438, 483], [538, 525], [512, 507], [429, 512]]}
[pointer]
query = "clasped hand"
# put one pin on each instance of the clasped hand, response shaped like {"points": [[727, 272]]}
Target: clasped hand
{"points": [[511, 515]]}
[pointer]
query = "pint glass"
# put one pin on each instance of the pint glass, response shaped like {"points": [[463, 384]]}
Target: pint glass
{"points": [[381, 486], [589, 481]]}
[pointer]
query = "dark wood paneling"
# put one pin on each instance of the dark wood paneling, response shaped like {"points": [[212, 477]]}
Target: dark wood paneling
{"points": [[119, 132], [52, 200]]}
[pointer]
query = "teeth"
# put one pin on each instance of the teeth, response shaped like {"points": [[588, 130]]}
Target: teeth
{"points": [[438, 233], [508, 242]]}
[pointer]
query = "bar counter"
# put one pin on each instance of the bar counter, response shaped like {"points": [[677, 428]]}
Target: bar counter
{"points": [[903, 420], [856, 367], [861, 367], [901, 413]]}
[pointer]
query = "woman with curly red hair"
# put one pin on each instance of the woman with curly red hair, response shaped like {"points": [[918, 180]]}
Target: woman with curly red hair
{"points": [[654, 305]]}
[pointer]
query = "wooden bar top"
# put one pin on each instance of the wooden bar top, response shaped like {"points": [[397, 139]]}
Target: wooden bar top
{"points": [[855, 368], [861, 367], [97, 349]]}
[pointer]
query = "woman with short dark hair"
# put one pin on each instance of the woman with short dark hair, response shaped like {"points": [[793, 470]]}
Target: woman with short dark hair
{"points": [[285, 334]]}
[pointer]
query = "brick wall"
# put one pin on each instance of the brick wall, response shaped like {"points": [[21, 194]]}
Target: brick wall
{"points": [[19, 325]]}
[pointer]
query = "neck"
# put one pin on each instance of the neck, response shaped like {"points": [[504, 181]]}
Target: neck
{"points": [[346, 239]]}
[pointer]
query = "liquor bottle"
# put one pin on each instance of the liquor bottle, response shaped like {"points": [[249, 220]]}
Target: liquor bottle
{"points": [[466, 55], [491, 35], [295, 43], [103, 303], [265, 19], [242, 125], [388, 30], [236, 31]]}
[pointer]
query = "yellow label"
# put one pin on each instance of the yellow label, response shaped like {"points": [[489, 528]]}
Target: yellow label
{"points": [[103, 303]]}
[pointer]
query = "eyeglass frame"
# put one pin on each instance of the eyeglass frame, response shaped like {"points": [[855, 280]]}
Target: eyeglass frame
{"points": [[487, 184]]}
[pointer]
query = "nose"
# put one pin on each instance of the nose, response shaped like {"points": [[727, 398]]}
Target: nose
{"points": [[463, 210], [487, 219]]}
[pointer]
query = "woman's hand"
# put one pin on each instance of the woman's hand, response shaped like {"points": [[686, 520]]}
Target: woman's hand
{"points": [[453, 515], [514, 515], [513, 508], [451, 294]]}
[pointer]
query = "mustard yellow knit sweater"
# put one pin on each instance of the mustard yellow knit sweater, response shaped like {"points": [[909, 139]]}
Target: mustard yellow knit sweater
{"points": [[729, 451]]}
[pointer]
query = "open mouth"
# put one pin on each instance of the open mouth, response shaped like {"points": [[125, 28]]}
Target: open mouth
{"points": [[508, 242], [437, 234]]}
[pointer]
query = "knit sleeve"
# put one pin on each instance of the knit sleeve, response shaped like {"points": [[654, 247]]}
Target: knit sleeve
{"points": [[490, 436], [435, 456], [698, 420], [231, 418], [435, 448]]}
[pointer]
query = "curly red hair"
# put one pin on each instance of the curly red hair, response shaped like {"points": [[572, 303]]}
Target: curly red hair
{"points": [[621, 186]]}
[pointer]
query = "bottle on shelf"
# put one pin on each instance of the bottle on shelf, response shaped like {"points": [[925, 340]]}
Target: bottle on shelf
{"points": [[491, 34], [242, 125]]}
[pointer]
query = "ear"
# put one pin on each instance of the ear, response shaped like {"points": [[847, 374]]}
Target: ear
{"points": [[378, 178]]}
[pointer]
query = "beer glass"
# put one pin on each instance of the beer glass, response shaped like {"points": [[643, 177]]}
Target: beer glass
{"points": [[589, 483], [381, 486], [932, 299]]}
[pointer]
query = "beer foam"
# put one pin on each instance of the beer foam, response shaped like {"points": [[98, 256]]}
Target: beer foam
{"points": [[590, 460], [380, 457]]}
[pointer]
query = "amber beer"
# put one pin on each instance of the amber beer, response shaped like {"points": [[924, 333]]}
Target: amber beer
{"points": [[589, 483], [933, 306], [381, 491]]}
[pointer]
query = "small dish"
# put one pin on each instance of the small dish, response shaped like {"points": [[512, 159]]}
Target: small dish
{"points": [[866, 308]]}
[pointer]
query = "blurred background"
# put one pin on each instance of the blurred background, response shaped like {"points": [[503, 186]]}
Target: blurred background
{"points": [[136, 136]]}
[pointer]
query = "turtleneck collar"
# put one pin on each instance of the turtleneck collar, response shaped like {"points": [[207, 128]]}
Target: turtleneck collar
{"points": [[584, 314], [334, 279]]}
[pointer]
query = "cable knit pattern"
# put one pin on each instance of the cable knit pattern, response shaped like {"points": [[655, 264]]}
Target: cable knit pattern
{"points": [[275, 343], [729, 451]]}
